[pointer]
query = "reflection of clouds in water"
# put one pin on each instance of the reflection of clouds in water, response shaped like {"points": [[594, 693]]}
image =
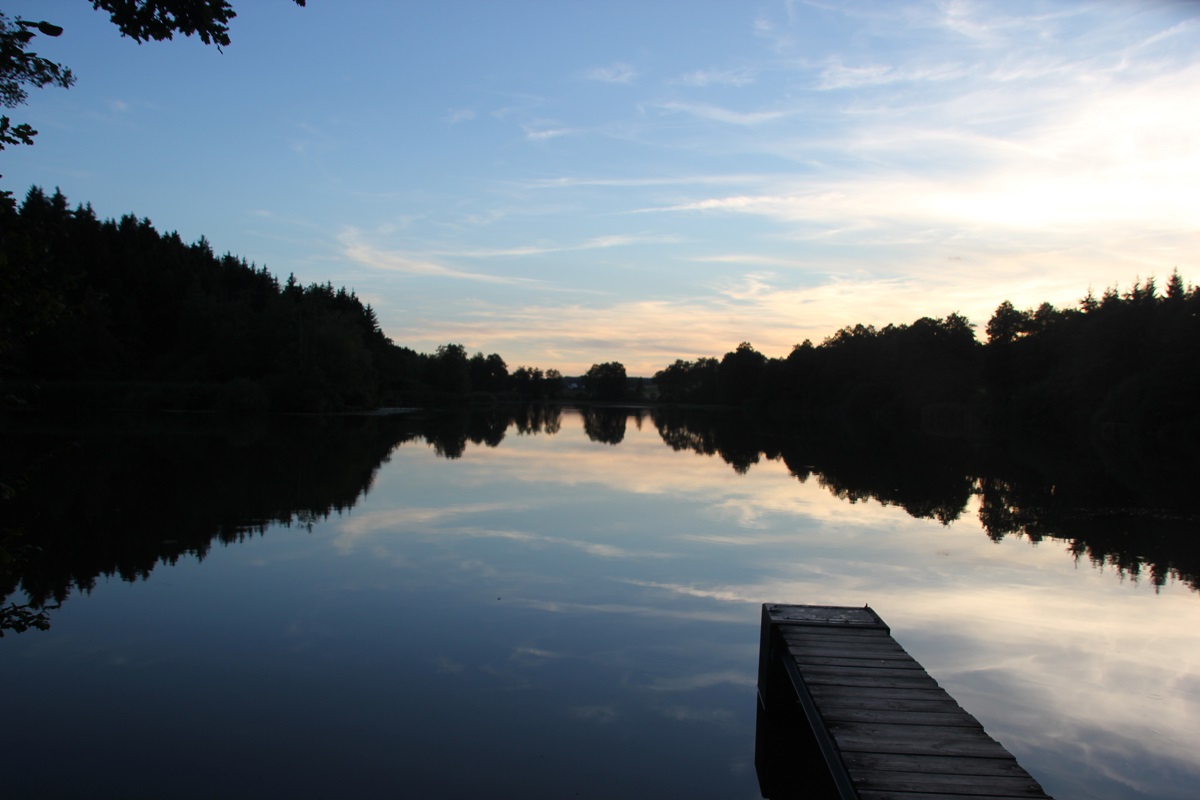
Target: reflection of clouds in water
{"points": [[601, 715], [767, 495], [381, 524], [417, 518], [728, 595], [753, 504], [1118, 685], [704, 680], [1113, 735], [751, 500], [717, 716], [1054, 657], [799, 581], [478, 567], [1044, 649], [449, 666], [528, 654], [558, 607]]}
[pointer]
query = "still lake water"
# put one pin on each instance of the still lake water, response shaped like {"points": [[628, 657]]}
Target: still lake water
{"points": [[556, 606]]}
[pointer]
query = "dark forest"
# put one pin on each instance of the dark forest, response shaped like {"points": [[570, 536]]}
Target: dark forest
{"points": [[114, 314]]}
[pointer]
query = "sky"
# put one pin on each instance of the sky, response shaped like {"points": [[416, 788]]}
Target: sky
{"points": [[572, 183]]}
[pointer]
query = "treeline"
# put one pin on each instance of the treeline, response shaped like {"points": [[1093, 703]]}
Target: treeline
{"points": [[113, 313], [1122, 366]]}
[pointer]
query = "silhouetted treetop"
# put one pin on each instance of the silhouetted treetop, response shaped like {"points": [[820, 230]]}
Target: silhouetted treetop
{"points": [[159, 20], [140, 20], [606, 381], [21, 67]]}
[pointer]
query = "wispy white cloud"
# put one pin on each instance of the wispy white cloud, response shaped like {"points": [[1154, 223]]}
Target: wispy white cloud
{"points": [[569, 182], [458, 115], [619, 72], [595, 243], [1185, 27], [355, 249], [736, 76], [993, 25], [839, 76], [540, 131], [718, 114]]}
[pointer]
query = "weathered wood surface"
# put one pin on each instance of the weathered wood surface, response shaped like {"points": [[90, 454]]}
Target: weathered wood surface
{"points": [[885, 728]]}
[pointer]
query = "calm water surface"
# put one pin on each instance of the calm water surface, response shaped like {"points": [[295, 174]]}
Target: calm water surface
{"points": [[572, 612]]}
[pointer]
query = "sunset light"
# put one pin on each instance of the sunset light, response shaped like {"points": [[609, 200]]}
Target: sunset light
{"points": [[573, 183]]}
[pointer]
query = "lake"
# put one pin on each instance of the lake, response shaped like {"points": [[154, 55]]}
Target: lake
{"points": [[555, 603]]}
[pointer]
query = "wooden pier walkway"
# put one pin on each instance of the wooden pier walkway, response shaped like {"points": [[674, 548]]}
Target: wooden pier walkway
{"points": [[884, 728]]}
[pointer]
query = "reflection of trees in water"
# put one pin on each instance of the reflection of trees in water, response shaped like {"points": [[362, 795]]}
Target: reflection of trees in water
{"points": [[109, 499], [119, 500], [901, 473], [674, 430], [737, 444], [121, 497], [605, 425], [1100, 522], [530, 419], [1125, 522], [449, 431], [927, 478]]}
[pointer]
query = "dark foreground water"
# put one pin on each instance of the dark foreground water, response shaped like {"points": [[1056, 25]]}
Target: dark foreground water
{"points": [[549, 604]]}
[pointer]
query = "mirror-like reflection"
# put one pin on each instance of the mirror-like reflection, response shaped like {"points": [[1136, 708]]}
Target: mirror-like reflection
{"points": [[572, 596]]}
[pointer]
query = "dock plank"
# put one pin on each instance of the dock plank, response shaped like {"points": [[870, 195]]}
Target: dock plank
{"points": [[987, 786], [848, 661], [918, 681], [933, 765], [951, 718], [863, 669], [915, 739], [884, 727], [834, 691]]}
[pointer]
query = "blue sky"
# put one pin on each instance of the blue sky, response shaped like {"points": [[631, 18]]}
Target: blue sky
{"points": [[576, 182]]}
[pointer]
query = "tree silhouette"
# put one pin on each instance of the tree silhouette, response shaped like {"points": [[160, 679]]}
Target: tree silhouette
{"points": [[159, 20], [140, 20], [528, 382], [1007, 323], [20, 67], [606, 381], [688, 381], [740, 374], [488, 374]]}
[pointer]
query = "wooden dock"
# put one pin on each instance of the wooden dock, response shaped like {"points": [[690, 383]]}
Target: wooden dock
{"points": [[877, 722]]}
